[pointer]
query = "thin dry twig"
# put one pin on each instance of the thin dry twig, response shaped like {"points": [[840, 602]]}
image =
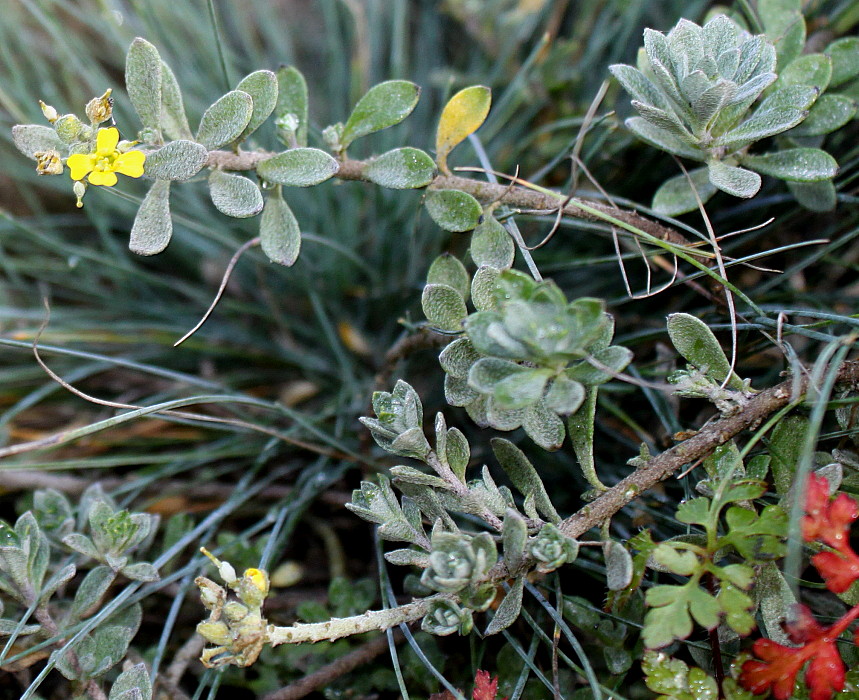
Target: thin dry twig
{"points": [[330, 672]]}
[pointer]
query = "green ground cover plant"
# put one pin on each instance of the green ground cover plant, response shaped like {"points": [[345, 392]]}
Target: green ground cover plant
{"points": [[344, 357]]}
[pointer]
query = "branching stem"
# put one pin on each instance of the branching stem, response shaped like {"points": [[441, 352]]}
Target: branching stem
{"points": [[517, 197]]}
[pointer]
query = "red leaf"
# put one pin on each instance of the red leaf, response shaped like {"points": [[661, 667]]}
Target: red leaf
{"points": [[485, 686]]}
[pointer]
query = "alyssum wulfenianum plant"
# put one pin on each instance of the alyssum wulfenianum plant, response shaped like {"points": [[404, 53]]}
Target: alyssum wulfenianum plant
{"points": [[523, 355]]}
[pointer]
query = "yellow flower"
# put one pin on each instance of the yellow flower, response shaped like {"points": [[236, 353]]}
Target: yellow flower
{"points": [[100, 168], [258, 578]]}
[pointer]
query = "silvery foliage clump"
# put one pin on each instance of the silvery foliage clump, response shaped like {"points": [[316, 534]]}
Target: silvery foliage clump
{"points": [[697, 90], [458, 565], [37, 573], [526, 357]]}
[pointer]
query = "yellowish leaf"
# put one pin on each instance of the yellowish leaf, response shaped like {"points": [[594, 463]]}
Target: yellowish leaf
{"points": [[462, 115]]}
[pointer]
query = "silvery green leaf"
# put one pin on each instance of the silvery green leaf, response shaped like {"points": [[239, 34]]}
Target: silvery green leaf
{"points": [[785, 447], [521, 389], [8, 627], [140, 571], [707, 105], [614, 357], [489, 337], [441, 437], [503, 418], [759, 126], [785, 27], [456, 359], [152, 226], [774, 598], [412, 514], [178, 160], [565, 396], [133, 684], [174, 123], [382, 106], [796, 164], [524, 477], [444, 307], [660, 64], [261, 85], [53, 512], [447, 269], [813, 69], [618, 566], [143, 82], [91, 592], [416, 476], [665, 120], [580, 426], [727, 63], [751, 52], [453, 210], [662, 139], [33, 138], [408, 557], [844, 54], [685, 46], [458, 393], [457, 452], [225, 120], [298, 167], [694, 340], [675, 196], [483, 288], [491, 245], [112, 639], [476, 408], [637, 85], [751, 89], [429, 502], [488, 371], [61, 577], [815, 196], [401, 169], [720, 35], [83, 544], [790, 96], [733, 180], [292, 99], [829, 113], [280, 235], [509, 609], [235, 195], [514, 538]]}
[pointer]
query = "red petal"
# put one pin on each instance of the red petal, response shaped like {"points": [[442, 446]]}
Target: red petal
{"points": [[802, 628], [825, 674], [838, 572]]}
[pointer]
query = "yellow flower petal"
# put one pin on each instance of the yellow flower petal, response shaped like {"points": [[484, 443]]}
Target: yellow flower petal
{"points": [[106, 140], [130, 163], [102, 177], [80, 164]]}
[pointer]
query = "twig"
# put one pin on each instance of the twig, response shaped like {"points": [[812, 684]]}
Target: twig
{"points": [[187, 653], [330, 672], [486, 192], [699, 445]]}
